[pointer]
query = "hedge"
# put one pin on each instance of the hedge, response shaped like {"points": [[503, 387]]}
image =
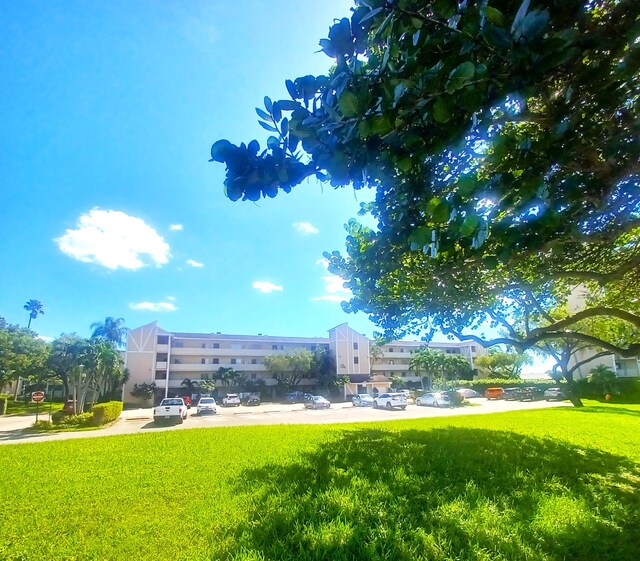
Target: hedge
{"points": [[104, 413], [482, 384], [4, 403]]}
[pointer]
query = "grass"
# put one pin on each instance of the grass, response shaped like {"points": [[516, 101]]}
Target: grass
{"points": [[537, 485], [28, 408]]}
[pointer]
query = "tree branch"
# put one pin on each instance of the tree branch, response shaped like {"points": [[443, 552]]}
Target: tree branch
{"points": [[594, 357], [588, 313]]}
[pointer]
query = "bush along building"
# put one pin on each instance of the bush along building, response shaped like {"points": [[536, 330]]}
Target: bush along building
{"points": [[169, 363]]}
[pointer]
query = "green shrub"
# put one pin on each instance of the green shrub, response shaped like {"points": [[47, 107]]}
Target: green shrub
{"points": [[482, 384], [63, 420], [4, 403], [104, 413], [43, 425]]}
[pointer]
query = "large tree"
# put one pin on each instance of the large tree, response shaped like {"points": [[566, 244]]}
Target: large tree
{"points": [[503, 142], [22, 354], [291, 368], [111, 329], [500, 364]]}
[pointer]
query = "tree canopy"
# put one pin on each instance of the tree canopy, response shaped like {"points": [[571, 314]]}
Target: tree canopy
{"points": [[502, 140], [498, 364]]}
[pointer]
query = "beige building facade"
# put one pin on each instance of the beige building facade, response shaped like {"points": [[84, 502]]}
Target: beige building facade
{"points": [[155, 355]]}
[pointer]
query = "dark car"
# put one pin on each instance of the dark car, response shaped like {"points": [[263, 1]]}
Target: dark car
{"points": [[297, 397], [511, 394], [530, 393], [250, 400]]}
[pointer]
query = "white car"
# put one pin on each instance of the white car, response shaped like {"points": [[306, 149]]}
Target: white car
{"points": [[390, 401], [362, 400], [434, 400], [468, 392], [231, 400], [206, 405], [170, 409]]}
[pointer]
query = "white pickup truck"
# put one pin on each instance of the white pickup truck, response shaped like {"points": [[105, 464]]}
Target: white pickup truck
{"points": [[170, 409]]}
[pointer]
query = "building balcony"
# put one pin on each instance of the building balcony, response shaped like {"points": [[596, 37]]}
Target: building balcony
{"points": [[162, 348], [390, 367], [198, 351], [161, 365], [212, 368]]}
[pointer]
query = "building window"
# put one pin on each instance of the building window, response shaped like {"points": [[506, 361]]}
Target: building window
{"points": [[356, 360], [161, 357], [391, 362], [204, 345], [215, 361], [177, 361], [178, 344], [216, 345], [355, 346], [163, 339], [203, 361], [233, 361], [473, 348], [401, 350], [274, 347], [161, 374], [390, 349], [253, 375], [254, 361]]}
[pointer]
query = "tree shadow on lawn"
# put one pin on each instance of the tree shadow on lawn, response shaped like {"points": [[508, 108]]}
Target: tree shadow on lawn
{"points": [[607, 409], [453, 493]]}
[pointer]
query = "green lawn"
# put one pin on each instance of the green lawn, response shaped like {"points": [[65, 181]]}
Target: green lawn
{"points": [[28, 408], [557, 484]]}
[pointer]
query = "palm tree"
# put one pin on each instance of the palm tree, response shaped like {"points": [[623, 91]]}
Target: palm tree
{"points": [[375, 354], [35, 308], [111, 329]]}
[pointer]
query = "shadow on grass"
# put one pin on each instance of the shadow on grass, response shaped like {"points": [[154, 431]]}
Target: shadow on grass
{"points": [[607, 409], [441, 494]]}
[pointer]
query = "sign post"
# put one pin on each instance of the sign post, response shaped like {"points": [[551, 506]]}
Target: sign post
{"points": [[37, 398]]}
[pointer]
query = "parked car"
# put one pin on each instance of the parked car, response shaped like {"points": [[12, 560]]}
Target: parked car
{"points": [[362, 400], [494, 393], [554, 393], [297, 397], [408, 394], [317, 402], [530, 393], [250, 400], [511, 394], [468, 393], [170, 409], [390, 401], [206, 405], [69, 407], [231, 400], [435, 399]]}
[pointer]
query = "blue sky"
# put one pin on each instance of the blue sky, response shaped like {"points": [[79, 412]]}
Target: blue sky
{"points": [[109, 204]]}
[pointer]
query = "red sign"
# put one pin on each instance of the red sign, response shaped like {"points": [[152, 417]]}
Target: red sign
{"points": [[37, 397]]}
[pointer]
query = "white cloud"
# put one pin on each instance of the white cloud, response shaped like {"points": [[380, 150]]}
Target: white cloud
{"points": [[329, 298], [324, 262], [335, 290], [194, 263], [114, 239], [46, 338], [153, 306], [171, 298], [176, 227], [266, 286], [305, 228]]}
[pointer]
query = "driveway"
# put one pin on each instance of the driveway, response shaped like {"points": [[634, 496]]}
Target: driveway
{"points": [[12, 428]]}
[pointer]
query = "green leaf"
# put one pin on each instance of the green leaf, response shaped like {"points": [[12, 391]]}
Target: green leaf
{"points": [[263, 114], [267, 127], [535, 24], [220, 149], [380, 124], [493, 15], [441, 111], [469, 225], [496, 36], [348, 103], [460, 76], [466, 185], [291, 88], [439, 210], [268, 103]]}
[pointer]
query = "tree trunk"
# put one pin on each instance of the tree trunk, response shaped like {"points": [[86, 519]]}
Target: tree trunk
{"points": [[573, 393]]}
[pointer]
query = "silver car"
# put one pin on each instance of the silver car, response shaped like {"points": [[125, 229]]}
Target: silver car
{"points": [[434, 399], [362, 400], [554, 393], [317, 402]]}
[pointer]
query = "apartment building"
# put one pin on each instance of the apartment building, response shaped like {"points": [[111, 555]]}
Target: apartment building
{"points": [[622, 367], [168, 358]]}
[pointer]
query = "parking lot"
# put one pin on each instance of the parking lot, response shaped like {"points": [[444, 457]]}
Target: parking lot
{"points": [[12, 429]]}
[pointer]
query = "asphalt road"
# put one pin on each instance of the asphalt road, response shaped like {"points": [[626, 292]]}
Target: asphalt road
{"points": [[14, 429]]}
